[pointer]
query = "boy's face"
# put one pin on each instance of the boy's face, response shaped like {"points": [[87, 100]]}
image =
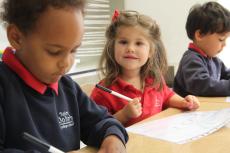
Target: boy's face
{"points": [[48, 50], [132, 48], [211, 44]]}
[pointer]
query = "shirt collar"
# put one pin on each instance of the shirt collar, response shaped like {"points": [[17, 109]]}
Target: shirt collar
{"points": [[12, 61], [193, 47], [123, 85]]}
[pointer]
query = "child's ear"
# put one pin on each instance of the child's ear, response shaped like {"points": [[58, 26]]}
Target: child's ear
{"points": [[198, 35], [14, 36]]}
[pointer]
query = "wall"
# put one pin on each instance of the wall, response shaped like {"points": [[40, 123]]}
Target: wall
{"points": [[3, 38], [171, 16]]}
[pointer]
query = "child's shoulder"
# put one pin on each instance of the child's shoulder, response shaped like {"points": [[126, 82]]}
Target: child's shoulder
{"points": [[67, 82], [102, 83], [8, 78], [5, 71], [96, 91], [191, 55]]}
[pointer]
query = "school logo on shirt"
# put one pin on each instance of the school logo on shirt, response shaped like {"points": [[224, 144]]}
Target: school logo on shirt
{"points": [[157, 103], [65, 120]]}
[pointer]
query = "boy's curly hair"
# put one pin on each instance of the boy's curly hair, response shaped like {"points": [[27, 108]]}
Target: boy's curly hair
{"points": [[24, 13]]}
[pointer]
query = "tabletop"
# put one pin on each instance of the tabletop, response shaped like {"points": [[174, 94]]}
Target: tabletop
{"points": [[217, 142]]}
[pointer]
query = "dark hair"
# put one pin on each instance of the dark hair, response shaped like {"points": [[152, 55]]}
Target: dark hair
{"points": [[210, 17], [155, 67], [24, 13]]}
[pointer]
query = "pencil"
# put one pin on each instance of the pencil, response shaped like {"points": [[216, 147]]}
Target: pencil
{"points": [[113, 92], [38, 142]]}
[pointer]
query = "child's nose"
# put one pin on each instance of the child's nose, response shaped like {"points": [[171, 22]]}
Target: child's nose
{"points": [[131, 48], [65, 62]]}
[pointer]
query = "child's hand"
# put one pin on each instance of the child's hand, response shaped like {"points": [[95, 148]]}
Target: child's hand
{"points": [[191, 102], [133, 109], [112, 144]]}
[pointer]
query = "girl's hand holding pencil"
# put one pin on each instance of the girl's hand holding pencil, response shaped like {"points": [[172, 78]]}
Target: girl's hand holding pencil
{"points": [[133, 109]]}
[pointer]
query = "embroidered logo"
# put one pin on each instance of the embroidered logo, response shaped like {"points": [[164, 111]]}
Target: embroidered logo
{"points": [[65, 120], [157, 103]]}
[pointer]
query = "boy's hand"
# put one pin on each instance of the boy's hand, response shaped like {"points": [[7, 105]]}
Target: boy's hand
{"points": [[133, 109], [191, 102], [112, 144]]}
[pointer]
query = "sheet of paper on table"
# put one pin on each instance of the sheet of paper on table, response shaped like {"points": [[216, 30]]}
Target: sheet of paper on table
{"points": [[184, 127], [228, 99]]}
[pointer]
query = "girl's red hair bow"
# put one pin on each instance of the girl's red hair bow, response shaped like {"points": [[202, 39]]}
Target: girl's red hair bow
{"points": [[115, 15]]}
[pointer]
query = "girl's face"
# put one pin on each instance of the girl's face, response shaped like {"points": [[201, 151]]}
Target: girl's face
{"points": [[132, 48], [211, 44], [48, 50]]}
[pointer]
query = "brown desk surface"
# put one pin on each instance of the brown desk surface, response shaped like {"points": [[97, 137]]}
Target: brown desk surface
{"points": [[212, 99], [217, 142]]}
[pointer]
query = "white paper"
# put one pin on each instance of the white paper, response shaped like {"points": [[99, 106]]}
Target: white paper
{"points": [[184, 127], [227, 125], [228, 99]]}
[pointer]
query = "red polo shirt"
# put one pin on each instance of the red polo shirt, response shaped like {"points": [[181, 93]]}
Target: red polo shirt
{"points": [[152, 100], [12, 61]]}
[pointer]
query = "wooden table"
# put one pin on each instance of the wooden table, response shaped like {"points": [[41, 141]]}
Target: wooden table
{"points": [[217, 142], [212, 99]]}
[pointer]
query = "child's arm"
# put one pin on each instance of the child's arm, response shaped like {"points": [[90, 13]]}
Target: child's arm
{"points": [[189, 102], [112, 144], [132, 110]]}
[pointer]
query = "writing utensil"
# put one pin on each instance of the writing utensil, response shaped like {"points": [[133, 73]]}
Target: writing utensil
{"points": [[38, 142], [113, 92]]}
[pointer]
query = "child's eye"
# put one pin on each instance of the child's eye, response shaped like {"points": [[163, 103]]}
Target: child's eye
{"points": [[73, 51], [122, 42], [139, 43], [222, 39], [53, 53]]}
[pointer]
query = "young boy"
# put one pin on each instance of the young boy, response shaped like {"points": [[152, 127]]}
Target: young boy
{"points": [[35, 96], [200, 72]]}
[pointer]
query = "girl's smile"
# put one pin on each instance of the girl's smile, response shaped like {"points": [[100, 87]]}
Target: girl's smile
{"points": [[130, 57]]}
